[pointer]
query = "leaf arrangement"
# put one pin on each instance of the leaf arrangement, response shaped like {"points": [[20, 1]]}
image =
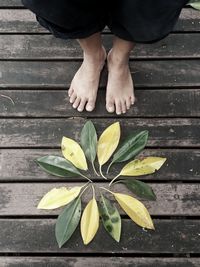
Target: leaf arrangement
{"points": [[74, 163]]}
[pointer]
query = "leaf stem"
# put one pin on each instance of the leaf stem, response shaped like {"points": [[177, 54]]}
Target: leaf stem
{"points": [[117, 182], [86, 178], [84, 190], [114, 179], [100, 170], [109, 167], [93, 191], [106, 189], [93, 166]]}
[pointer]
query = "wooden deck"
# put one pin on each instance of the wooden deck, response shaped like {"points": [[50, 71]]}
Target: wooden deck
{"points": [[35, 71]]}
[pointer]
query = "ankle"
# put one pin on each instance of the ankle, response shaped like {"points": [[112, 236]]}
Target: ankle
{"points": [[118, 59], [98, 55]]}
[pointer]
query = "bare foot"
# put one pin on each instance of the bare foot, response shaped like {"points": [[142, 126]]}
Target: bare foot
{"points": [[84, 86], [120, 89]]}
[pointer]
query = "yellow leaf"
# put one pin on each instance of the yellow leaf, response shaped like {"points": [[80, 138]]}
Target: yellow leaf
{"points": [[141, 167], [108, 142], [72, 151], [135, 210], [58, 197], [90, 221]]}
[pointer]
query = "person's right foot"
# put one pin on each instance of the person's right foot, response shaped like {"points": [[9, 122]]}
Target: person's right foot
{"points": [[84, 86], [120, 89]]}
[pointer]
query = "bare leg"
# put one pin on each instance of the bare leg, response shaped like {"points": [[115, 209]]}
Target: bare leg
{"points": [[120, 89], [84, 86]]}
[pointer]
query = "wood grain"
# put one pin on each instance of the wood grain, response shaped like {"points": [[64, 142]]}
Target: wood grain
{"points": [[37, 235], [58, 74], [43, 47], [48, 132], [10, 3], [172, 199], [18, 165], [55, 103], [98, 262]]}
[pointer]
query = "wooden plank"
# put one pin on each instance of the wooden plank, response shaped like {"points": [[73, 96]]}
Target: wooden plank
{"points": [[10, 3], [55, 103], [37, 236], [48, 132], [48, 47], [156, 73], [23, 21], [172, 199], [19, 165], [98, 262]]}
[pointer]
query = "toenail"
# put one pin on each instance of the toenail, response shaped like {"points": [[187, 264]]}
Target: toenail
{"points": [[89, 108], [110, 108]]}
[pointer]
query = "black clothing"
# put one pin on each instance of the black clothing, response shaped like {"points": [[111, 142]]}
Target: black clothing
{"points": [[144, 21]]}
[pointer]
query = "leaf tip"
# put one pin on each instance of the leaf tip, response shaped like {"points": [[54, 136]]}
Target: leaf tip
{"points": [[117, 239], [60, 245]]}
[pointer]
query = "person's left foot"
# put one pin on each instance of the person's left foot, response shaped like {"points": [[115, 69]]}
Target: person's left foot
{"points": [[120, 89]]}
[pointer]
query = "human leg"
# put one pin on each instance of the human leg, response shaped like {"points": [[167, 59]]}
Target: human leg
{"points": [[84, 86], [83, 21], [132, 22], [120, 89]]}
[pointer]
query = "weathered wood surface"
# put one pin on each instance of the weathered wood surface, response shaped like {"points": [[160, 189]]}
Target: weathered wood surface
{"points": [[48, 47], [33, 121], [172, 199], [37, 235], [19, 165], [48, 132], [24, 21], [42, 74], [98, 262], [55, 103], [10, 3]]}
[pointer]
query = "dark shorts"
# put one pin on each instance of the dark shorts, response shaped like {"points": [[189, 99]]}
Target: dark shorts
{"points": [[139, 21]]}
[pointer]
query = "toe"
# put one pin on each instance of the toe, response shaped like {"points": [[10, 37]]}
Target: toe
{"points": [[110, 106], [76, 102], [128, 103], [70, 91], [123, 106], [90, 105], [81, 105], [72, 97], [132, 99], [118, 107]]}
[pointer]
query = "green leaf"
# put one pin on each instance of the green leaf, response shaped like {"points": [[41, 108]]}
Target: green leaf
{"points": [[195, 4], [110, 217], [130, 147], [139, 188], [68, 221], [89, 141], [58, 166]]}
